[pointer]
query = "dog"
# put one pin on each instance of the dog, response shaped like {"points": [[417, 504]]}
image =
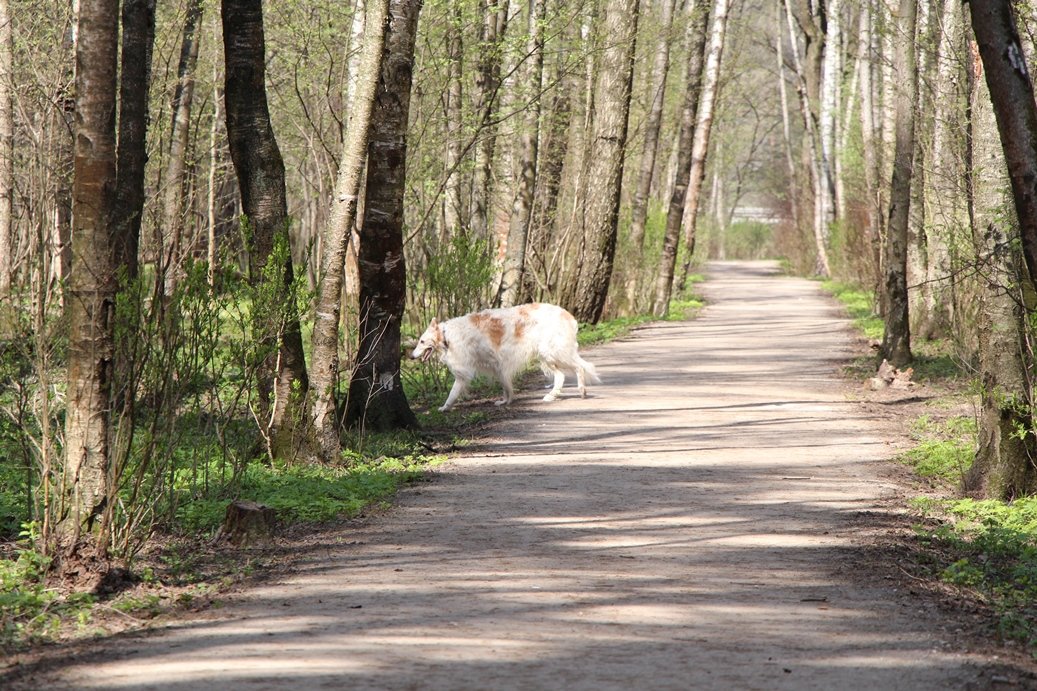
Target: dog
{"points": [[501, 342]]}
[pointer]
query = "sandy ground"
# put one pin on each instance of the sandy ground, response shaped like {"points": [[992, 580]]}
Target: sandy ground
{"points": [[694, 524]]}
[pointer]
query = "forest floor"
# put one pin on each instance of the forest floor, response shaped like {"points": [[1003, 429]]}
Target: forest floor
{"points": [[721, 513]]}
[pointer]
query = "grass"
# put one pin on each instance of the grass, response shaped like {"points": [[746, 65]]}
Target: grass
{"points": [[988, 548], [31, 612], [860, 305], [944, 449]]}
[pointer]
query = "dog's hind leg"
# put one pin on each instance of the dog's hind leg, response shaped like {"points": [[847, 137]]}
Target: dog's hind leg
{"points": [[581, 381], [460, 384], [559, 382]]}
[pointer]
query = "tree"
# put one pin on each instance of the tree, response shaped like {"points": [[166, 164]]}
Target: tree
{"points": [[1011, 92], [703, 127], [685, 140], [587, 295], [896, 340], [521, 209], [6, 147], [1004, 466], [325, 343], [176, 168], [138, 36], [376, 397], [653, 124], [83, 488], [261, 178]]}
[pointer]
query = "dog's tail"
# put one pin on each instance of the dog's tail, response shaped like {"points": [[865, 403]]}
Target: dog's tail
{"points": [[589, 370]]}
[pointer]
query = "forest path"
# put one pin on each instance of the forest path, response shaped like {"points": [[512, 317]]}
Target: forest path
{"points": [[690, 525]]}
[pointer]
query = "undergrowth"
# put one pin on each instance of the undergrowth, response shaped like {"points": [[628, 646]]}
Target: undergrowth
{"points": [[31, 611]]}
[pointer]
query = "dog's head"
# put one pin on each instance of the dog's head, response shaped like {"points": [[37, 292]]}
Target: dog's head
{"points": [[430, 343]]}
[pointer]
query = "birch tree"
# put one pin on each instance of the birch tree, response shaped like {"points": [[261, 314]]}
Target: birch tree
{"points": [[83, 489], [376, 397], [703, 127], [606, 158], [325, 341], [896, 340], [652, 126], [686, 135], [521, 208]]}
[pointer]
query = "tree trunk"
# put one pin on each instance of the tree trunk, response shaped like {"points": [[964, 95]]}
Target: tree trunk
{"points": [[896, 341], [138, 37], [700, 147], [487, 85], [521, 209], [1011, 93], [376, 397], [6, 148], [454, 119], [828, 116], [697, 29], [808, 72], [92, 291], [944, 201], [653, 123], [261, 178], [786, 125], [1003, 467], [605, 169], [173, 195], [325, 343]]}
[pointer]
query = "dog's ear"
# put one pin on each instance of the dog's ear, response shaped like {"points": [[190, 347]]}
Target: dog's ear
{"points": [[434, 324]]}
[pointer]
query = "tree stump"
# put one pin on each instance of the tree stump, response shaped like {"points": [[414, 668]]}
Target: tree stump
{"points": [[247, 523]]}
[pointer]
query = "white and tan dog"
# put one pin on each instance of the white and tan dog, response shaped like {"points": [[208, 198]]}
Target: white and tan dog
{"points": [[501, 342]]}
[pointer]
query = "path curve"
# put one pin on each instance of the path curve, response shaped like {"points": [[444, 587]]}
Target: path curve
{"points": [[690, 525]]}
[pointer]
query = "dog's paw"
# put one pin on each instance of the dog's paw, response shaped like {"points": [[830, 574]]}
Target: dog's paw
{"points": [[445, 408], [502, 401], [551, 397]]}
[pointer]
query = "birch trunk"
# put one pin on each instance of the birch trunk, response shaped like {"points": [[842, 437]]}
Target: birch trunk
{"points": [[605, 165], [703, 126], [1002, 468], [521, 208], [653, 123], [175, 178], [83, 490], [324, 372], [896, 341], [697, 37], [376, 398], [6, 148]]}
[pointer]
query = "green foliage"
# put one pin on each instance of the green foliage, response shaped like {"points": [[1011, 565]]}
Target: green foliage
{"points": [[990, 548], [945, 449], [310, 493], [748, 240], [860, 305]]}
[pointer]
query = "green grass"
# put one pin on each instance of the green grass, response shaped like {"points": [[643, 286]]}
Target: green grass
{"points": [[945, 449], [989, 548], [860, 305], [311, 493]]}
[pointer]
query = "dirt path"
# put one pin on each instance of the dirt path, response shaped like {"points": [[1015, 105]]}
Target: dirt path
{"points": [[691, 525]]}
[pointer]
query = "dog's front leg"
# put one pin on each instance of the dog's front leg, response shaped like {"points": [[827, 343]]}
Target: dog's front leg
{"points": [[460, 384], [509, 391]]}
